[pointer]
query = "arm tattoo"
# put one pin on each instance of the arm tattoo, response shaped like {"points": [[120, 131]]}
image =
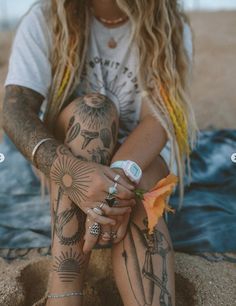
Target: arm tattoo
{"points": [[21, 123]]}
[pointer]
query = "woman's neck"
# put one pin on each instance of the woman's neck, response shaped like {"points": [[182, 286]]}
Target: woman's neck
{"points": [[107, 9]]}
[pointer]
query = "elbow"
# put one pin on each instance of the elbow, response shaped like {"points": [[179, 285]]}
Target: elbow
{"points": [[5, 115], [3, 118]]}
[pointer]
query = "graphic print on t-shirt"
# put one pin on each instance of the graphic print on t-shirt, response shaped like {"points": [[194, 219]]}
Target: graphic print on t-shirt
{"points": [[119, 84]]}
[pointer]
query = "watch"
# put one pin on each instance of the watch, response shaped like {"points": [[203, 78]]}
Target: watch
{"points": [[130, 168]]}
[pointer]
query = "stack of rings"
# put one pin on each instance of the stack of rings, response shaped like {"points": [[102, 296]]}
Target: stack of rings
{"points": [[95, 228], [112, 191]]}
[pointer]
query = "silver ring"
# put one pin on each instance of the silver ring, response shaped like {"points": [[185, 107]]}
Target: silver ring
{"points": [[117, 177], [88, 210], [106, 236], [101, 205], [114, 235], [113, 189], [95, 229], [115, 202], [98, 211]]}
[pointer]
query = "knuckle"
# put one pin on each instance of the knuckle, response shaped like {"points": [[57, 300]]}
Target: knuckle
{"points": [[90, 193], [122, 195], [107, 210], [99, 182]]}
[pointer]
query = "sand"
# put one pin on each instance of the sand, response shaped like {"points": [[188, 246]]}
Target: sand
{"points": [[198, 282]]}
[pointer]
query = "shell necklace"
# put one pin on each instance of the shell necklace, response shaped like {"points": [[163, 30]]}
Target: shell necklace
{"points": [[112, 43]]}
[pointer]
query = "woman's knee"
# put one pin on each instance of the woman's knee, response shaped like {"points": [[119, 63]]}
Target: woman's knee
{"points": [[89, 126]]}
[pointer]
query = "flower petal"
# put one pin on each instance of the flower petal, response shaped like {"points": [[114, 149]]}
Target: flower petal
{"points": [[154, 201]]}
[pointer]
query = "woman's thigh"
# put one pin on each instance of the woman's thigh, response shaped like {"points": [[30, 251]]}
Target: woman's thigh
{"points": [[143, 264]]}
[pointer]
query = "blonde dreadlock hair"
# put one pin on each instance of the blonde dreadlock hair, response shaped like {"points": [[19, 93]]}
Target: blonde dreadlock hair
{"points": [[157, 30]]}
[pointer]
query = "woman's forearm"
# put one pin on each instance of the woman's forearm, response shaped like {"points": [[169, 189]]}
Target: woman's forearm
{"points": [[144, 143], [22, 125]]}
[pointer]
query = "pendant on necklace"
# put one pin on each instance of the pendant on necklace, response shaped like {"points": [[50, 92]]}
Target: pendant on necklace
{"points": [[112, 44]]}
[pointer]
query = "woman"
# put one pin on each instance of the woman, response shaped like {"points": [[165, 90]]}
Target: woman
{"points": [[112, 75]]}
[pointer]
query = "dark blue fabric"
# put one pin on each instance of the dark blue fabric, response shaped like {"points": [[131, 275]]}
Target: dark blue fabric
{"points": [[24, 217], [206, 223], [207, 220]]}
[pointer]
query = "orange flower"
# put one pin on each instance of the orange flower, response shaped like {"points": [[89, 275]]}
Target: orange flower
{"points": [[154, 201]]}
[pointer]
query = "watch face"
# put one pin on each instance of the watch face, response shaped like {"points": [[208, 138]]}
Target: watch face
{"points": [[134, 171]]}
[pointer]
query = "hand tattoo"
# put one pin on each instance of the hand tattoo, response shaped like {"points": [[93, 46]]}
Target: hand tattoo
{"points": [[73, 175]]}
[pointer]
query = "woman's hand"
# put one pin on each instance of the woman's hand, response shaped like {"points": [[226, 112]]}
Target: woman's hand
{"points": [[87, 183], [108, 232]]}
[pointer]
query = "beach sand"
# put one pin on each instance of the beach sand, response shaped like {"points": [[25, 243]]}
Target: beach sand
{"points": [[198, 281]]}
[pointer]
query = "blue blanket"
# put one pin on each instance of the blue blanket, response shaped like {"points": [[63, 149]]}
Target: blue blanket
{"points": [[206, 223], [207, 220]]}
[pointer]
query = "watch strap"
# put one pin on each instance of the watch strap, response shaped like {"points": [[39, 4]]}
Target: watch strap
{"points": [[118, 164]]}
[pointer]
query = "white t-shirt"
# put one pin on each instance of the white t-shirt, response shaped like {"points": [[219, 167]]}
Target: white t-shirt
{"points": [[112, 72]]}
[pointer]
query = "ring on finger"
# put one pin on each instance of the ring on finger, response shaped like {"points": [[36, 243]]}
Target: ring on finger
{"points": [[95, 229], [106, 236], [98, 211], [114, 235], [102, 205], [116, 178], [113, 189], [110, 201], [115, 202], [88, 210]]}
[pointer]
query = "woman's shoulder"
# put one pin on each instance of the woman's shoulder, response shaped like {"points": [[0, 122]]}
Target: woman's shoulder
{"points": [[188, 39], [35, 24]]}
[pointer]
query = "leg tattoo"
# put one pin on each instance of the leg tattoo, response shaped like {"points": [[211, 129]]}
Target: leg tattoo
{"points": [[94, 110], [73, 132], [64, 219], [88, 137], [69, 265], [106, 138], [155, 244]]}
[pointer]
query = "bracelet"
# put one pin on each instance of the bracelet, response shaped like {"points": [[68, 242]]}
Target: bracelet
{"points": [[37, 146], [59, 296]]}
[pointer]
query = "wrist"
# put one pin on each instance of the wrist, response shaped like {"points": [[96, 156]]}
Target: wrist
{"points": [[131, 169]]}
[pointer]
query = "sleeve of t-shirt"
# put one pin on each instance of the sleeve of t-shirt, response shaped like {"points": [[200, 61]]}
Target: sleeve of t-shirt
{"points": [[188, 44], [29, 64]]}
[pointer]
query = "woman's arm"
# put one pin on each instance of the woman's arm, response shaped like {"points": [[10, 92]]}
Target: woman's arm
{"points": [[54, 159], [142, 146], [145, 142], [20, 121]]}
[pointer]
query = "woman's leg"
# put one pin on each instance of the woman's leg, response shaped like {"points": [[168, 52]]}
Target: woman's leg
{"points": [[144, 264], [88, 126]]}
